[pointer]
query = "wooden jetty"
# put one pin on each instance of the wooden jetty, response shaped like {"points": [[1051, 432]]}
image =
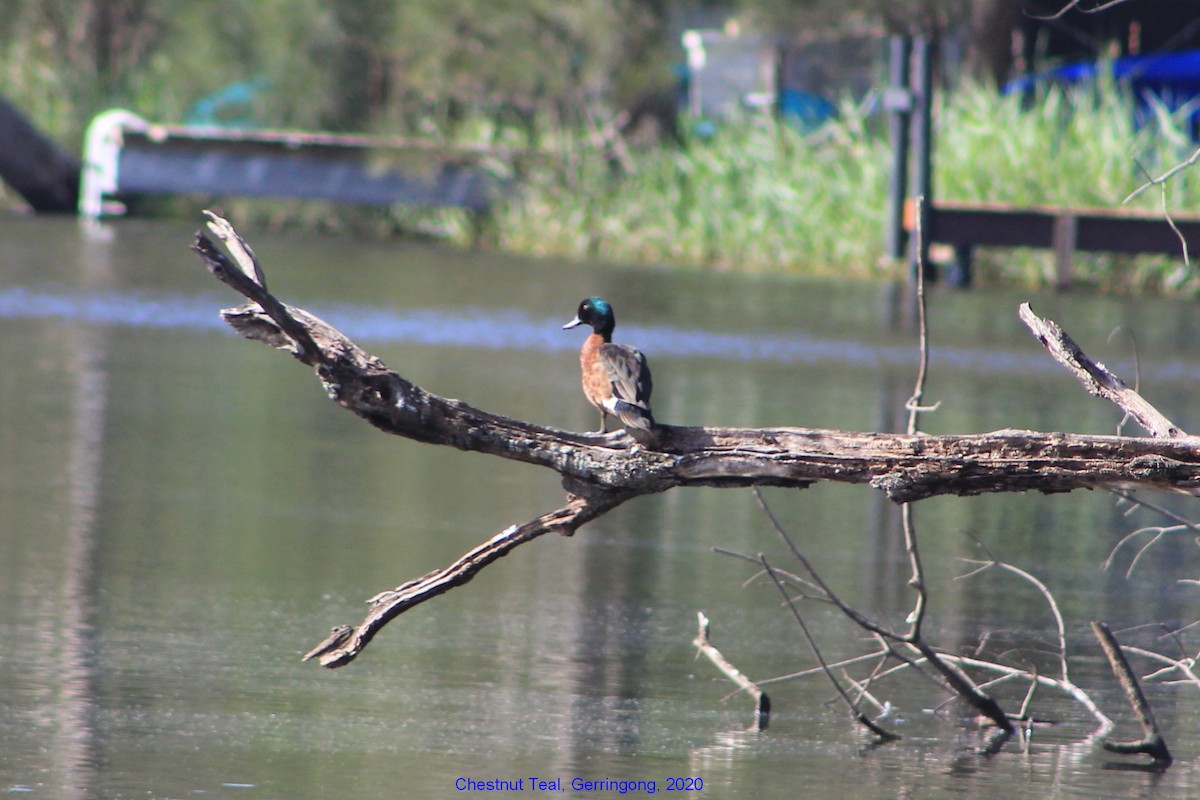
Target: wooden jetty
{"points": [[966, 226], [124, 154]]}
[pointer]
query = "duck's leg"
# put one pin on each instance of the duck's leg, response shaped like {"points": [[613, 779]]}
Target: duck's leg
{"points": [[603, 422]]}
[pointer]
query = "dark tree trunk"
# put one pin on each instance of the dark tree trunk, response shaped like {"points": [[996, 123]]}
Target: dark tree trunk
{"points": [[45, 175]]}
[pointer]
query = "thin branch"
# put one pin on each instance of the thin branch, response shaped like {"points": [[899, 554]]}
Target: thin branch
{"points": [[957, 680], [1046, 595], [917, 577], [846, 662], [762, 703], [345, 642], [1187, 262], [858, 716], [1137, 369], [913, 405], [859, 619], [1074, 4], [795, 580], [1166, 176], [1182, 524], [1185, 666], [1159, 532], [1164, 511]]}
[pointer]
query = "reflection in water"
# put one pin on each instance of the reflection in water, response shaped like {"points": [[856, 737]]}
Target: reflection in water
{"points": [[717, 761], [75, 750], [477, 328], [76, 744]]}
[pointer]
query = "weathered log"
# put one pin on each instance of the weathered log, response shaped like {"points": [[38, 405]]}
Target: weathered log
{"points": [[601, 471], [905, 467]]}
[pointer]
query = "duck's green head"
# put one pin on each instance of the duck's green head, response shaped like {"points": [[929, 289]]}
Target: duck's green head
{"points": [[595, 311]]}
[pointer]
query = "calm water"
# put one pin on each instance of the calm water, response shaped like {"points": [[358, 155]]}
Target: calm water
{"points": [[184, 513]]}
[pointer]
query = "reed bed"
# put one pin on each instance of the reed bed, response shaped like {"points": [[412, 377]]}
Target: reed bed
{"points": [[761, 195]]}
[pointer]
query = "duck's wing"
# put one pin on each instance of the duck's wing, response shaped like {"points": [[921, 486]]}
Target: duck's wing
{"points": [[629, 377], [629, 373]]}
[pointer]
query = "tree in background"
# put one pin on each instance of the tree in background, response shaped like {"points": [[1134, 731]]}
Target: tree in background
{"points": [[425, 65], [353, 65]]}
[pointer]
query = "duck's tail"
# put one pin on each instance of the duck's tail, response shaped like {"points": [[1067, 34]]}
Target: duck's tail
{"points": [[634, 417]]}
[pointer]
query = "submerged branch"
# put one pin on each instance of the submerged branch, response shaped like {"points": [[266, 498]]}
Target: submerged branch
{"points": [[1152, 742], [704, 645]]}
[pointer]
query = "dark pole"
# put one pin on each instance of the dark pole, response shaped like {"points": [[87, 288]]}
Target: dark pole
{"points": [[44, 174], [898, 102], [923, 145]]}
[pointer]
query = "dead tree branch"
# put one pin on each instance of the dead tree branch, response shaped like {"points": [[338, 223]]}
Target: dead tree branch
{"points": [[345, 642], [1096, 378], [599, 472]]}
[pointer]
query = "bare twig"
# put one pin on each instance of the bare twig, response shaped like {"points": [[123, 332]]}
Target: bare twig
{"points": [[957, 680], [762, 703], [1074, 5], [859, 618], [1062, 683], [1159, 532], [1137, 369], [846, 662], [917, 577], [1050, 601], [1166, 176], [913, 405], [1184, 666], [858, 716], [1152, 743]]}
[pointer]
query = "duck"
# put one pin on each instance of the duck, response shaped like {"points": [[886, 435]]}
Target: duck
{"points": [[616, 377]]}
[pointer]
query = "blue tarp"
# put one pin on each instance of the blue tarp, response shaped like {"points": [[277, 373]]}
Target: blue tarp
{"points": [[1169, 79], [1175, 71]]}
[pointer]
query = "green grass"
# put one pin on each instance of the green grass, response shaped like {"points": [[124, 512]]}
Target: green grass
{"points": [[758, 195]]}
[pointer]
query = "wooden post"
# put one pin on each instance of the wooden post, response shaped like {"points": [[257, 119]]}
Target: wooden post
{"points": [[1066, 230], [898, 103], [923, 146]]}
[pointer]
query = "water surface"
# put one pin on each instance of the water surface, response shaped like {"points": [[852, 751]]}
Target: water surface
{"points": [[185, 513]]}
